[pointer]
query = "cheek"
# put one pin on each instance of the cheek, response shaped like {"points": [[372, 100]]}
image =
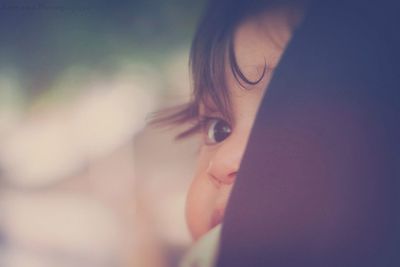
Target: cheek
{"points": [[200, 201]]}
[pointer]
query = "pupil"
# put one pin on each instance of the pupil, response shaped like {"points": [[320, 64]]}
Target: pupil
{"points": [[221, 131]]}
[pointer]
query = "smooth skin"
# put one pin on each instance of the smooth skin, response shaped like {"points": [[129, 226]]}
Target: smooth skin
{"points": [[258, 41]]}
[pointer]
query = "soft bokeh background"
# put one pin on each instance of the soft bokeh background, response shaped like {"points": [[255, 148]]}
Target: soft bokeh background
{"points": [[83, 180]]}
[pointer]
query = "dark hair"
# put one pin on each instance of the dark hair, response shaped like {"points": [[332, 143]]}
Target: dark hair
{"points": [[212, 48]]}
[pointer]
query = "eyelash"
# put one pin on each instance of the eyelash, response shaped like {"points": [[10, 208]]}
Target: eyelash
{"points": [[199, 126], [201, 123], [204, 120]]}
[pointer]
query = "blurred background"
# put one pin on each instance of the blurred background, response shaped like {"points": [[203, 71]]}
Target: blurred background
{"points": [[83, 180]]}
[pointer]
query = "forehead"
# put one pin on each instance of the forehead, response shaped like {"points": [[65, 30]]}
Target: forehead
{"points": [[262, 39], [258, 42]]}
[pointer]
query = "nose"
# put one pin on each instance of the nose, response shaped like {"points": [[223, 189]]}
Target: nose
{"points": [[222, 174], [225, 162]]}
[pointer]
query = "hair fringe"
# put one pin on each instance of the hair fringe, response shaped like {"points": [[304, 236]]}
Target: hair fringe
{"points": [[174, 116]]}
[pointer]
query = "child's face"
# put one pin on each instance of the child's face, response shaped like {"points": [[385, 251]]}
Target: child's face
{"points": [[257, 41]]}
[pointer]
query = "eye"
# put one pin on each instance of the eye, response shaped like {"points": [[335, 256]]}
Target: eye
{"points": [[216, 130]]}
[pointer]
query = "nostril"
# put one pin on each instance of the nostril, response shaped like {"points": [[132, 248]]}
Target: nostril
{"points": [[228, 179]]}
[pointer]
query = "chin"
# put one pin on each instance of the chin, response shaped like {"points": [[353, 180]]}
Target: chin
{"points": [[198, 229], [217, 218]]}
